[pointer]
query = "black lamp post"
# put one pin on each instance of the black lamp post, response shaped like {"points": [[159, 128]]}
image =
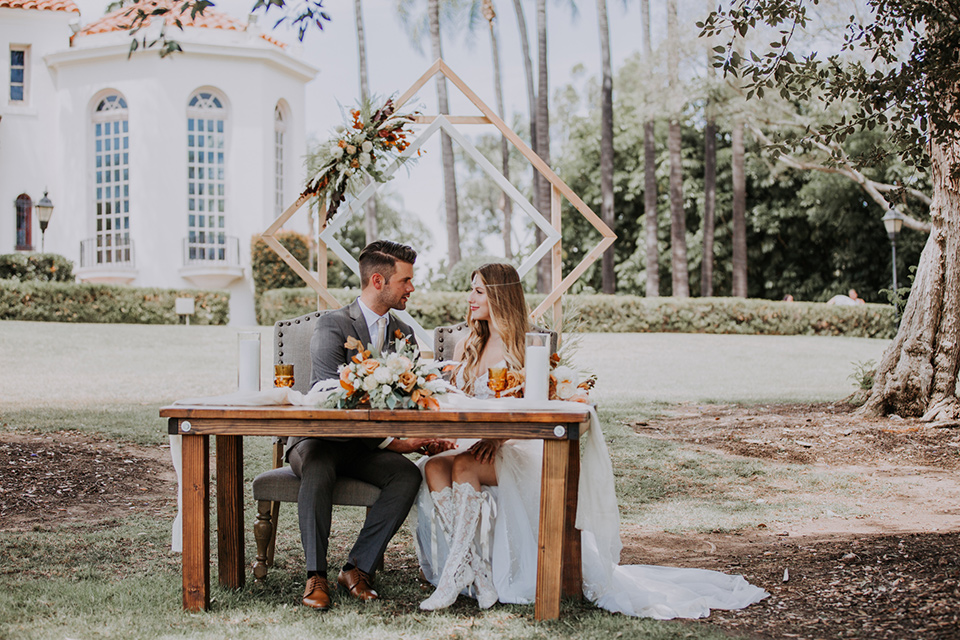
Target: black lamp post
{"points": [[44, 211], [892, 221]]}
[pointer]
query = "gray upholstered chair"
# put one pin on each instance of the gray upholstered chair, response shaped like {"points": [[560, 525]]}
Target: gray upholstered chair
{"points": [[445, 339], [280, 484]]}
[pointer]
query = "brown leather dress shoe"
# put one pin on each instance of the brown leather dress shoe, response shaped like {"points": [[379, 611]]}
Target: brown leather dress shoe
{"points": [[357, 583], [317, 593]]}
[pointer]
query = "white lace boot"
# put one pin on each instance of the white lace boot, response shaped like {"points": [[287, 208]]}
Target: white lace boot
{"points": [[443, 505], [458, 572], [483, 581]]}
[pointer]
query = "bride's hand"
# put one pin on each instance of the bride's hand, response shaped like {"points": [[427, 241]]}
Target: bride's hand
{"points": [[485, 450]]}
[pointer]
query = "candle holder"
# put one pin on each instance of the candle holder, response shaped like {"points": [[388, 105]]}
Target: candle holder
{"points": [[537, 366], [248, 361]]}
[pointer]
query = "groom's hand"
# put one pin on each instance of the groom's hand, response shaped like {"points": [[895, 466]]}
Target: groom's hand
{"points": [[428, 446]]}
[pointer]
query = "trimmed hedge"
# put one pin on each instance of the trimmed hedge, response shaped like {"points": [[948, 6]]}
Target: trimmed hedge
{"points": [[268, 268], [39, 267], [431, 309], [73, 302], [634, 314]]}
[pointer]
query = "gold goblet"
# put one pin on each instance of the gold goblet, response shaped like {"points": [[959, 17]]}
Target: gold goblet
{"points": [[497, 379]]}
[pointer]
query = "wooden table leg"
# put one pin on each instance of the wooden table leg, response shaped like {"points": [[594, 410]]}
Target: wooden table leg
{"points": [[230, 551], [196, 522], [572, 570], [553, 493]]}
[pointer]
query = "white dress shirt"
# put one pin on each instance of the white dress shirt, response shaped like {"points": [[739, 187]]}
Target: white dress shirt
{"points": [[371, 318]]}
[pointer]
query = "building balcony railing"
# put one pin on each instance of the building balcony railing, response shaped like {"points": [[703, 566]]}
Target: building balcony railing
{"points": [[225, 252], [107, 259], [104, 251], [211, 261]]}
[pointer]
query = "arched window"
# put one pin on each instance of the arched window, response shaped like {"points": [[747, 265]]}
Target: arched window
{"points": [[206, 204], [279, 128], [24, 222], [111, 156]]}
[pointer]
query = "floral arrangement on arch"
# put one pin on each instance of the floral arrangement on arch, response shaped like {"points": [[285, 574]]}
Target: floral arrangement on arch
{"points": [[366, 146], [398, 380], [565, 383]]}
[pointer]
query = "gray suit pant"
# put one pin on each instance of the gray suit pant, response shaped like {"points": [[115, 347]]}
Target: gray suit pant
{"points": [[318, 462]]}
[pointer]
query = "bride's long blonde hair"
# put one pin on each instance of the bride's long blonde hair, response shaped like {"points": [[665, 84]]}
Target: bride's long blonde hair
{"points": [[508, 311]]}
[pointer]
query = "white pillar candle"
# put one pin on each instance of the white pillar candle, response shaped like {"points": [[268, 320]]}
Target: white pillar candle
{"points": [[537, 365], [248, 365]]}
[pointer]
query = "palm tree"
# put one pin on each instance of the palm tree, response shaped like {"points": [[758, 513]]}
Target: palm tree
{"points": [[415, 30], [709, 178], [739, 211], [609, 277], [544, 275], [370, 207], [678, 225], [531, 96], [489, 12], [650, 174]]}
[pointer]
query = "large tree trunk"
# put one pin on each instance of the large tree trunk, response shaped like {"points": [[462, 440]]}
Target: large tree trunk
{"points": [[651, 223], [709, 202], [446, 144], [918, 373], [739, 211], [506, 203], [370, 207], [609, 276], [680, 279], [531, 97], [544, 275]]}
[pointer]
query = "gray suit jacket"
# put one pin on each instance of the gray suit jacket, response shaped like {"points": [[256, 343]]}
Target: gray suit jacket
{"points": [[328, 352]]}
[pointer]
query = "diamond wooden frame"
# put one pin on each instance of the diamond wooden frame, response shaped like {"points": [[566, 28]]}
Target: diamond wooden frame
{"points": [[552, 244]]}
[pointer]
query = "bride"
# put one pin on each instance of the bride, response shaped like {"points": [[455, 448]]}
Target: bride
{"points": [[478, 508]]}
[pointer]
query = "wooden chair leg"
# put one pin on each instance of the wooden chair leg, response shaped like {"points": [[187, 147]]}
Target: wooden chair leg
{"points": [[264, 531], [274, 518]]}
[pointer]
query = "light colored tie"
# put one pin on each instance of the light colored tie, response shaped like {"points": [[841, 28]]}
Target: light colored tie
{"points": [[381, 333]]}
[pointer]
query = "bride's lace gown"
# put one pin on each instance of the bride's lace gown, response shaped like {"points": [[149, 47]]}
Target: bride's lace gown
{"points": [[507, 539]]}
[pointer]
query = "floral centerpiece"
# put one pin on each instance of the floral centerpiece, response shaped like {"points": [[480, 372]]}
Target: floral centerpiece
{"points": [[366, 146], [565, 383], [398, 380]]}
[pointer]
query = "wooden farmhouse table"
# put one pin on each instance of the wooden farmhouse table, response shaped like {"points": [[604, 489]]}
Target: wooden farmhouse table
{"points": [[558, 561]]}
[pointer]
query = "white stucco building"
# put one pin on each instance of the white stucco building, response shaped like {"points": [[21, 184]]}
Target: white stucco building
{"points": [[160, 170]]}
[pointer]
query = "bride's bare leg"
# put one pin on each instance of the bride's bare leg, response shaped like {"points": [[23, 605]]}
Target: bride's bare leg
{"points": [[439, 472], [466, 469]]}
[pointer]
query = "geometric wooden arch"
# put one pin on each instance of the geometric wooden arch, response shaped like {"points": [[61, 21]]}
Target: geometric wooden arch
{"points": [[559, 190]]}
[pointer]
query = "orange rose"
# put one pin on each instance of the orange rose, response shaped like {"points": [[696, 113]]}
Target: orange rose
{"points": [[369, 366], [431, 377], [344, 380], [407, 380]]}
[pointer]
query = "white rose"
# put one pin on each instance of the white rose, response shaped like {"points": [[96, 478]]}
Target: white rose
{"points": [[566, 389], [336, 151], [370, 383], [367, 146], [351, 149], [383, 375], [340, 128], [364, 159]]}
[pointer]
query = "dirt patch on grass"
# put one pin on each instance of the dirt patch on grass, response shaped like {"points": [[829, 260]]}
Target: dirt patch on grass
{"points": [[62, 477], [891, 572]]}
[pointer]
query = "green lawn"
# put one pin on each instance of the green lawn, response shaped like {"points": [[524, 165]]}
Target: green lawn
{"points": [[118, 578]]}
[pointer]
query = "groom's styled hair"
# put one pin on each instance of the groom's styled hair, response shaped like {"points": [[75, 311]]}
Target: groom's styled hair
{"points": [[381, 257]]}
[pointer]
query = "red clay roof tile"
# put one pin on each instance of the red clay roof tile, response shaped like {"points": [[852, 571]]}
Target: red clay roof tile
{"points": [[121, 19], [41, 5]]}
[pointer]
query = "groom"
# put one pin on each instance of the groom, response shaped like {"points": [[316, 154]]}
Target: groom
{"points": [[386, 274]]}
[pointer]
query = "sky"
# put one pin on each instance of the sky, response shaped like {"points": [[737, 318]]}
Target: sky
{"points": [[394, 64]]}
